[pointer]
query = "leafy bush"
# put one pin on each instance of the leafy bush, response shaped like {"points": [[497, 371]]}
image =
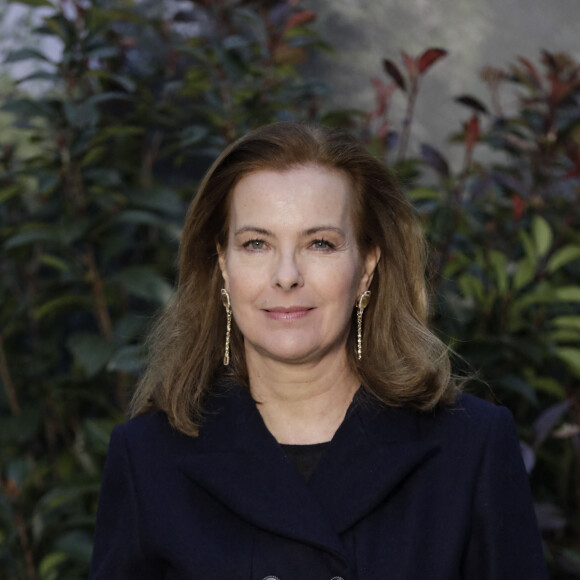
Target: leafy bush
{"points": [[141, 99], [505, 264]]}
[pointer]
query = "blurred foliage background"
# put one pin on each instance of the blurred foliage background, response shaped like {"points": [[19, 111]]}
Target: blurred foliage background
{"points": [[101, 149]]}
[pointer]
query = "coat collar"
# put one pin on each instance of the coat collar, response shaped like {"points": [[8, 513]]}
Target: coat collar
{"points": [[240, 463]]}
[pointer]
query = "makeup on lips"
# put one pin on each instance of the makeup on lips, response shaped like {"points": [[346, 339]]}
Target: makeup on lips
{"points": [[289, 313]]}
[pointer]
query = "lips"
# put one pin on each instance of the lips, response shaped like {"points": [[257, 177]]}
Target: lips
{"points": [[287, 312]]}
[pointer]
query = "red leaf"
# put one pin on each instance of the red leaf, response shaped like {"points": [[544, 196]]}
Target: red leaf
{"points": [[435, 159], [429, 58], [471, 133], [550, 62], [472, 103], [560, 90], [518, 206], [410, 64], [300, 18], [382, 94], [383, 130], [393, 71], [572, 174], [532, 72]]}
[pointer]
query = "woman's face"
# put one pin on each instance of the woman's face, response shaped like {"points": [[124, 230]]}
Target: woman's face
{"points": [[292, 265]]}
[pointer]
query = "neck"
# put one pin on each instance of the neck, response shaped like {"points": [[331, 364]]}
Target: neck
{"points": [[302, 404]]}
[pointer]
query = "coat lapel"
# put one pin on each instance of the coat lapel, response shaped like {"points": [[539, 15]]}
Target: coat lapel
{"points": [[238, 462], [375, 451]]}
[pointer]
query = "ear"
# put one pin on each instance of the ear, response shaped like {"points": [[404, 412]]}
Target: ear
{"points": [[370, 263], [223, 266]]}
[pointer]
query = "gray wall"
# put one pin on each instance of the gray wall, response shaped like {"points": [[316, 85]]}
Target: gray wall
{"points": [[476, 33]]}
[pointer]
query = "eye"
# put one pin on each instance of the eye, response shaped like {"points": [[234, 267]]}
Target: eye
{"points": [[322, 245], [254, 244]]}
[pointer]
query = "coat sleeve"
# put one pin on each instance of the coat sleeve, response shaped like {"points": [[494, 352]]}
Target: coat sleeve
{"points": [[505, 543], [118, 552]]}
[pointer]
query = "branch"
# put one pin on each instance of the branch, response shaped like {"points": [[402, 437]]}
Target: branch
{"points": [[7, 380]]}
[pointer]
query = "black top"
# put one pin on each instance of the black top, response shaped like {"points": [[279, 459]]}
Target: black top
{"points": [[305, 458]]}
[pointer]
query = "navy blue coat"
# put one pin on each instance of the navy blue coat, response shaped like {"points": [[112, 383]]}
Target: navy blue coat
{"points": [[397, 495]]}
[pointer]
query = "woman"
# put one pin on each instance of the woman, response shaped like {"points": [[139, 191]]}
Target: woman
{"points": [[297, 419]]}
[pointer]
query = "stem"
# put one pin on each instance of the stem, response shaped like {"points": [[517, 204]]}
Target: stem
{"points": [[405, 133], [149, 159], [443, 250], [24, 542], [101, 309], [7, 380], [460, 189]]}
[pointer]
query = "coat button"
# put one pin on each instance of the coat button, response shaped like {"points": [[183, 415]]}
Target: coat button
{"points": [[271, 578]]}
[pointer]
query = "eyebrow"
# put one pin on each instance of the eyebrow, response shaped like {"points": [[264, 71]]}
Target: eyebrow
{"points": [[254, 230], [308, 232]]}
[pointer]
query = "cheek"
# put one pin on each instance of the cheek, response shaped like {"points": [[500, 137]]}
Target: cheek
{"points": [[244, 284], [341, 282]]}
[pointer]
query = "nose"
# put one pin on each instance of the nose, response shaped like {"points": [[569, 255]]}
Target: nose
{"points": [[287, 273]]}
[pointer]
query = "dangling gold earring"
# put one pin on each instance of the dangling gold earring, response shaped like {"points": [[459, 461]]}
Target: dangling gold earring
{"points": [[362, 303], [228, 306]]}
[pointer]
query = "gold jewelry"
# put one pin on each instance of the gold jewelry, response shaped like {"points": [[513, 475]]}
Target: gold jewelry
{"points": [[228, 306], [362, 303]]}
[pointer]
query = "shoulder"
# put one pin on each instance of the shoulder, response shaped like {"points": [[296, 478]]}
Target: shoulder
{"points": [[471, 424], [149, 435], [471, 412]]}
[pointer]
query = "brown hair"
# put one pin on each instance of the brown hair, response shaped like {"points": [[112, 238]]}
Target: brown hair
{"points": [[404, 363]]}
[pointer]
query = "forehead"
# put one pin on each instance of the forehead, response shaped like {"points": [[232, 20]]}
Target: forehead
{"points": [[304, 194]]}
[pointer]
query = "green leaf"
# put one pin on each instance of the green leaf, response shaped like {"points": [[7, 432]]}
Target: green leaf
{"points": [[81, 115], [98, 432], [471, 287], [565, 335], [31, 236], [123, 81], [571, 356], [157, 198], [567, 322], [103, 51], [193, 135], [568, 294], [528, 245], [22, 427], [542, 233], [145, 283], [29, 108], [519, 386], [66, 302], [524, 272], [420, 193], [17, 470], [60, 496], [130, 327], [111, 96], [117, 131], [550, 386], [54, 262], [76, 544], [35, 3], [40, 75], [50, 564], [129, 359], [9, 192], [25, 54], [147, 218], [91, 351], [498, 263], [562, 257]]}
